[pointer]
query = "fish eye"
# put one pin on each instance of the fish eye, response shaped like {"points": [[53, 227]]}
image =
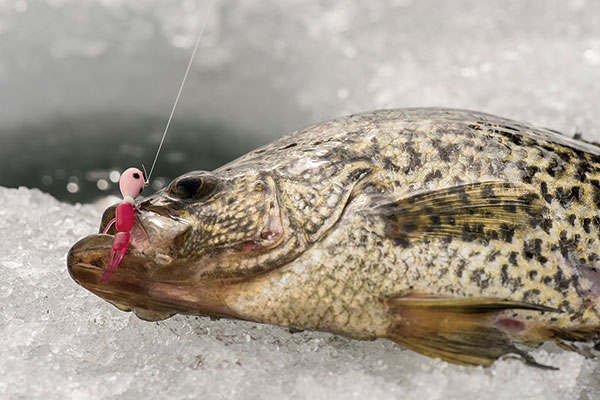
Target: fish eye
{"points": [[192, 187]]}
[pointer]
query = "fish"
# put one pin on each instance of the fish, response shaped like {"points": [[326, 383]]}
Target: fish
{"points": [[456, 234]]}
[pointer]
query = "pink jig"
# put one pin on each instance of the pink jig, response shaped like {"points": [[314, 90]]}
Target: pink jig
{"points": [[131, 184]]}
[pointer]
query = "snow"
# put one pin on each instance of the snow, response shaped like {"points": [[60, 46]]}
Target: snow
{"points": [[264, 68]]}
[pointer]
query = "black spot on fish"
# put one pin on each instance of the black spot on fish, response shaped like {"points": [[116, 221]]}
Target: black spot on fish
{"points": [[576, 315], [532, 274], [560, 281], [542, 260], [586, 224], [515, 139], [532, 248], [467, 233], [567, 196], [546, 225], [460, 268], [554, 169], [487, 192], [492, 234], [571, 219], [507, 233], [565, 156], [576, 192], [529, 294], [433, 175], [547, 280], [480, 278], [401, 242], [596, 192], [512, 258], [583, 169], [413, 155], [565, 306], [462, 194], [567, 245], [504, 274], [390, 166], [435, 222], [547, 196], [528, 173], [446, 153]]}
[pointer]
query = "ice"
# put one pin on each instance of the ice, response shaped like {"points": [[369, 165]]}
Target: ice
{"points": [[59, 341], [265, 67]]}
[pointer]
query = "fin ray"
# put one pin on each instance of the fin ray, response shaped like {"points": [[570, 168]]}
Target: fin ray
{"points": [[467, 331], [483, 210]]}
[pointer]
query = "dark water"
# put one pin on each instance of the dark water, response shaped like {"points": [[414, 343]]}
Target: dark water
{"points": [[79, 160]]}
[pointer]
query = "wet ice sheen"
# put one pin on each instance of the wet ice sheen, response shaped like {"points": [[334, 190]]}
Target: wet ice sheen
{"points": [[59, 341]]}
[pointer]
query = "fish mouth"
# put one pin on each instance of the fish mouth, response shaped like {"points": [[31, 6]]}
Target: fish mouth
{"points": [[144, 281]]}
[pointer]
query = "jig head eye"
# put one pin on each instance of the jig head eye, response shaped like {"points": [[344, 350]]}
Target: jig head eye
{"points": [[192, 187]]}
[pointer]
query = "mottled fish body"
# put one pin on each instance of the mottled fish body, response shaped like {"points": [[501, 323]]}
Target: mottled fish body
{"points": [[457, 234]]}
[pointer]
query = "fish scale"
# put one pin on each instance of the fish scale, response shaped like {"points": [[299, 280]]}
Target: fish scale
{"points": [[457, 234]]}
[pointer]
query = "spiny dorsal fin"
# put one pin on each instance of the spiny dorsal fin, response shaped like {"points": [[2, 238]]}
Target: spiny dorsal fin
{"points": [[485, 210], [466, 331]]}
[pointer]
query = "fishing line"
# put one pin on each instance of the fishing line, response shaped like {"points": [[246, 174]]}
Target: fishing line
{"points": [[187, 71]]}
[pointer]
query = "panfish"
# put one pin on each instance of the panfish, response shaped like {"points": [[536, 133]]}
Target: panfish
{"points": [[457, 234]]}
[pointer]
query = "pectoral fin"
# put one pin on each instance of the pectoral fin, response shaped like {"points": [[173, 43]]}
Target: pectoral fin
{"points": [[462, 331], [485, 210]]}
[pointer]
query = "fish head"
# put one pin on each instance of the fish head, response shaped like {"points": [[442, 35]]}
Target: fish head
{"points": [[191, 244]]}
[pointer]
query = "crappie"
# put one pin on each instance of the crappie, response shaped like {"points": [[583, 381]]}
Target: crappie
{"points": [[456, 234]]}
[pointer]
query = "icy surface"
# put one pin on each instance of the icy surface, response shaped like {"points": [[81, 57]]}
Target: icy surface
{"points": [[59, 341]]}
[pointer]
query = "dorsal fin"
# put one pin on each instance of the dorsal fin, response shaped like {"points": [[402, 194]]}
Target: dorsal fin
{"points": [[485, 210]]}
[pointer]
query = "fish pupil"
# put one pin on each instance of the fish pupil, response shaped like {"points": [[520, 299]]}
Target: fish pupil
{"points": [[192, 187]]}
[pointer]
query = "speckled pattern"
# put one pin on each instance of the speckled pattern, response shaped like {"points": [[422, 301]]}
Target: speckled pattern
{"points": [[381, 157], [343, 225]]}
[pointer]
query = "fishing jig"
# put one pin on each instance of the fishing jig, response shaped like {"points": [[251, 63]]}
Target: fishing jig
{"points": [[132, 182], [131, 185]]}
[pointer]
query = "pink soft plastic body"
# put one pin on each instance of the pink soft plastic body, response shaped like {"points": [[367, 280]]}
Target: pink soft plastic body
{"points": [[119, 247], [131, 184]]}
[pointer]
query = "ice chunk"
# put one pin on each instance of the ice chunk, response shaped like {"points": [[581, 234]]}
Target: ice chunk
{"points": [[59, 341]]}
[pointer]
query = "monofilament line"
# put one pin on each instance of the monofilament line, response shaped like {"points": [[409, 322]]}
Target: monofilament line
{"points": [[187, 71]]}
